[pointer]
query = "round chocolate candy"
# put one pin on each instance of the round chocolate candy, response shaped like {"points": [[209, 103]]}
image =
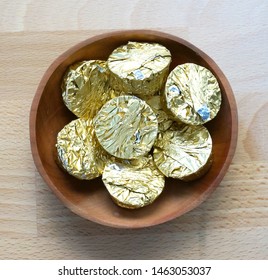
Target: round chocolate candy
{"points": [[126, 127], [164, 121], [135, 183], [139, 68], [192, 94], [85, 87], [79, 152], [183, 152]]}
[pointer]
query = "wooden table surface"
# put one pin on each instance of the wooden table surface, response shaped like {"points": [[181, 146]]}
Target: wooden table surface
{"points": [[231, 224]]}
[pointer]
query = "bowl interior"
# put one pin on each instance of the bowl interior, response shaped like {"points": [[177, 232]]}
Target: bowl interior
{"points": [[90, 199]]}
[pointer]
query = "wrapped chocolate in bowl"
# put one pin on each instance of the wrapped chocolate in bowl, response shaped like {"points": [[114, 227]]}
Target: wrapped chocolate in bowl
{"points": [[86, 87], [133, 184], [163, 119], [192, 94], [79, 152], [184, 153], [126, 127], [139, 68]]}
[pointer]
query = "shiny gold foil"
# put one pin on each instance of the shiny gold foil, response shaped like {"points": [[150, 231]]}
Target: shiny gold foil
{"points": [[133, 184], [139, 68], [164, 121], [126, 127], [192, 94], [85, 87], [79, 152], [184, 153]]}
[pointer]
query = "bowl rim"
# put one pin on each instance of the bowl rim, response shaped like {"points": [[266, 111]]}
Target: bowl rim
{"points": [[60, 59]]}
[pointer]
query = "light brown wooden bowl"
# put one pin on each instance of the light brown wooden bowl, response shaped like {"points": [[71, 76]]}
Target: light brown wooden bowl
{"points": [[90, 199]]}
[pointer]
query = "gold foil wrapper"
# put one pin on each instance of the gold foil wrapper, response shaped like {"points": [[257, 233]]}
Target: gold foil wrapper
{"points": [[192, 94], [126, 127], [164, 121], [133, 184], [86, 87], [184, 153], [79, 152], [139, 68]]}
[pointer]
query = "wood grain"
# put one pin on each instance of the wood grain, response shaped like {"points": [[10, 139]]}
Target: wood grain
{"points": [[231, 224]]}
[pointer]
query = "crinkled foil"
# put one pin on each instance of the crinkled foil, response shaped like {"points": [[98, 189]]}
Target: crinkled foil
{"points": [[86, 87], [164, 121], [126, 127], [133, 184], [139, 68], [192, 94], [184, 153], [79, 152]]}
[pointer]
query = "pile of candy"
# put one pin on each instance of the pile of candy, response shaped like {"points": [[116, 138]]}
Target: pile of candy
{"points": [[137, 122]]}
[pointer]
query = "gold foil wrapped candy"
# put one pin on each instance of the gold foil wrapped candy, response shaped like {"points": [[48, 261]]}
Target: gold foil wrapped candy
{"points": [[86, 87], [133, 184], [184, 153], [126, 127], [139, 68], [79, 152], [164, 121], [192, 94]]}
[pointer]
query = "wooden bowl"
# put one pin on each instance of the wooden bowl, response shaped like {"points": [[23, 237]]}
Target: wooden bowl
{"points": [[90, 199]]}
